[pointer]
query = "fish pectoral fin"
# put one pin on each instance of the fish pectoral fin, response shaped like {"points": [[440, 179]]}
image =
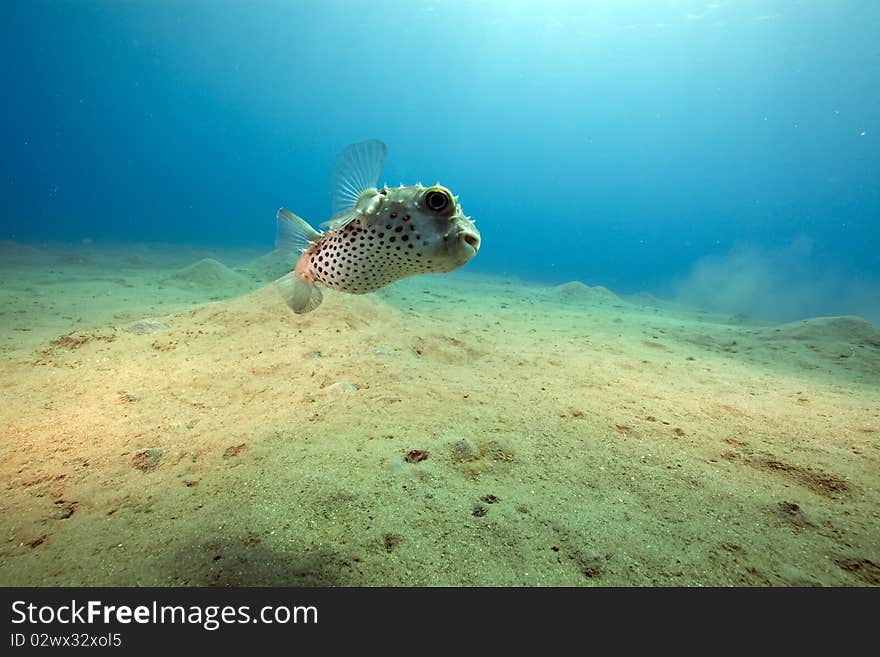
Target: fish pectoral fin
{"points": [[357, 169], [300, 295], [293, 234]]}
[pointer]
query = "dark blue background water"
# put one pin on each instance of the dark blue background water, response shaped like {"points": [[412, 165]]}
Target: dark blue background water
{"points": [[614, 142]]}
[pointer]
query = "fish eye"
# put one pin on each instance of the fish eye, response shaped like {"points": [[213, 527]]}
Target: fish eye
{"points": [[437, 200]]}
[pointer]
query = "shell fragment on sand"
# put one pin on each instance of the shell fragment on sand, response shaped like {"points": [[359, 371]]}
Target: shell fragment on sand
{"points": [[146, 327]]}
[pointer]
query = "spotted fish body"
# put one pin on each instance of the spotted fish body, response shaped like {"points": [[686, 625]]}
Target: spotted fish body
{"points": [[382, 236]]}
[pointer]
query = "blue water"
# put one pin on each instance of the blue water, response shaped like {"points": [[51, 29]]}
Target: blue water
{"points": [[728, 152]]}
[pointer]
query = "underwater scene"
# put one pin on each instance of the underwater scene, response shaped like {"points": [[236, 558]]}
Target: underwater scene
{"points": [[440, 293]]}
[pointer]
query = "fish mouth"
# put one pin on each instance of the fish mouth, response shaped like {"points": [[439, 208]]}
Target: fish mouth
{"points": [[472, 240]]}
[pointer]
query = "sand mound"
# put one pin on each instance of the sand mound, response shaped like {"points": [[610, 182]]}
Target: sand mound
{"points": [[209, 274], [575, 291], [645, 299], [843, 329], [269, 267]]}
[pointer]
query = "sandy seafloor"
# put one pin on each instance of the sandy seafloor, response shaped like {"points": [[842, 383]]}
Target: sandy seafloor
{"points": [[167, 421]]}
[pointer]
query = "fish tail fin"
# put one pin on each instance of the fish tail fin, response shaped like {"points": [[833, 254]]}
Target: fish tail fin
{"points": [[300, 295], [293, 234]]}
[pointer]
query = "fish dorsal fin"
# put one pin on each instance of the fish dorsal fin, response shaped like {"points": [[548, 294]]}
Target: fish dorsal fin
{"points": [[357, 169], [293, 234]]}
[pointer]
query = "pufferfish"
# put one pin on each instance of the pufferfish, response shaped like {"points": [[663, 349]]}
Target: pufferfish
{"points": [[376, 236]]}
